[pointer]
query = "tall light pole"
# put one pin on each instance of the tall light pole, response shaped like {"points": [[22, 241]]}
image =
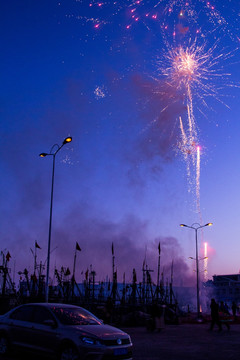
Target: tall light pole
{"points": [[196, 227], [53, 154]]}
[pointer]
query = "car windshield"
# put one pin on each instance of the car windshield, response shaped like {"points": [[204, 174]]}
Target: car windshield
{"points": [[75, 316]]}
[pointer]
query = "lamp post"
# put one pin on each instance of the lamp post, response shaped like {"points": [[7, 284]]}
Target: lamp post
{"points": [[53, 154], [196, 227]]}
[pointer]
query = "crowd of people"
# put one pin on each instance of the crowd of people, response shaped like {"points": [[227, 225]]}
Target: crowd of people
{"points": [[220, 314]]}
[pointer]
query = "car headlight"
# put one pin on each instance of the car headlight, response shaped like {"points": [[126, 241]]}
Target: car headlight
{"points": [[90, 341]]}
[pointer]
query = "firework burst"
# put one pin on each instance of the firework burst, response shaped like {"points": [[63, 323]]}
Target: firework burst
{"points": [[172, 16], [193, 71]]}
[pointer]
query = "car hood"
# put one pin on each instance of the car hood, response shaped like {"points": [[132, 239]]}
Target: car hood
{"points": [[101, 331]]}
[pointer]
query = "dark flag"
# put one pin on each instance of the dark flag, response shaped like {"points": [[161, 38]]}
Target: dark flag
{"points": [[68, 272], [112, 249], [37, 246], [78, 247], [8, 256], [159, 248], [34, 278]]}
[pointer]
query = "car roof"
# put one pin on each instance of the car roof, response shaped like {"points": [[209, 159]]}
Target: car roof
{"points": [[56, 305]]}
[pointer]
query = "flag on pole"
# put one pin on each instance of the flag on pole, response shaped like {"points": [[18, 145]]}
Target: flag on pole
{"points": [[34, 278], [67, 272], [159, 248], [78, 247], [112, 249], [8, 256], [37, 246]]}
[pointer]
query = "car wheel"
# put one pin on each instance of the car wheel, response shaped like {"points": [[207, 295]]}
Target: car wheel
{"points": [[4, 345], [69, 352]]}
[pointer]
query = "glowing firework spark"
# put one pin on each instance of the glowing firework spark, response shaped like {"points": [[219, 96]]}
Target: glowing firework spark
{"points": [[183, 13], [174, 17]]}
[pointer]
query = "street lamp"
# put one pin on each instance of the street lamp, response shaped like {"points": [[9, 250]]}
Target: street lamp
{"points": [[53, 154], [196, 227]]}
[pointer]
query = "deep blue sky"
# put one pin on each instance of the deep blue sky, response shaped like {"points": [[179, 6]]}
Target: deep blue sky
{"points": [[121, 180]]}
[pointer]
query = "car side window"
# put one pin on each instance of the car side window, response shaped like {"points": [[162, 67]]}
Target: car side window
{"points": [[23, 313], [41, 314]]}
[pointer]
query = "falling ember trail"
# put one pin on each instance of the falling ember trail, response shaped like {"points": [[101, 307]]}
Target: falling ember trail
{"points": [[184, 146], [205, 261], [198, 181]]}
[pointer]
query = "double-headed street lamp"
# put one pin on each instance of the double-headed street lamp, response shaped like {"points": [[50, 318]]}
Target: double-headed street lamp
{"points": [[196, 227], [53, 154]]}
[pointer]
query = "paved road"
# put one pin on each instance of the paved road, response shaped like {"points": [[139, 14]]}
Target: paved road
{"points": [[187, 342], [181, 342]]}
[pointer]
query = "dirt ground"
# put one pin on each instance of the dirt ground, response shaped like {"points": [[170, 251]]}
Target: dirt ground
{"points": [[181, 342]]}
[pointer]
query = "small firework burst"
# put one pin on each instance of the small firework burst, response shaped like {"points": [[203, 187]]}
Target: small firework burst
{"points": [[100, 92]]}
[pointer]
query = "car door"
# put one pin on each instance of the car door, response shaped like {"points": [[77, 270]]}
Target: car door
{"points": [[20, 325], [44, 330]]}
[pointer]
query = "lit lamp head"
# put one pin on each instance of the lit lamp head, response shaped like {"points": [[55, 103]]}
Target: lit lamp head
{"points": [[67, 140], [209, 224], [43, 154]]}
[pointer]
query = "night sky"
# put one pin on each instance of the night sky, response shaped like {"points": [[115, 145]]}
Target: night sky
{"points": [[97, 71]]}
